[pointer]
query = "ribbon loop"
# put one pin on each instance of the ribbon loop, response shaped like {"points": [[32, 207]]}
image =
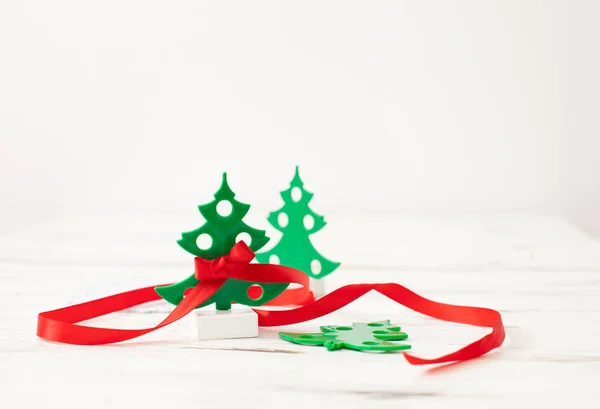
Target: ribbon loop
{"points": [[219, 268]]}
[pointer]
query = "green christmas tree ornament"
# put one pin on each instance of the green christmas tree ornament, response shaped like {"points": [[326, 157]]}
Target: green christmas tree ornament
{"points": [[370, 337], [224, 227], [296, 221]]}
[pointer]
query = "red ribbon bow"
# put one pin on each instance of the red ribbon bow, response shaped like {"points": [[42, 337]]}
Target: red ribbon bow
{"points": [[221, 267]]}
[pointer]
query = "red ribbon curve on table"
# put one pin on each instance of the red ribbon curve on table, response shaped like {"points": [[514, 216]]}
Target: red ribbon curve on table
{"points": [[61, 325]]}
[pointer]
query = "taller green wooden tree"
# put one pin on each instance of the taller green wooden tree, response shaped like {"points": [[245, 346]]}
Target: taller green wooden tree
{"points": [[216, 238], [297, 221]]}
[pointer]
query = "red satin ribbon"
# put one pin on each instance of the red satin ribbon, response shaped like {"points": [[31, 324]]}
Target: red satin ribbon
{"points": [[220, 268], [294, 296], [61, 325], [241, 254]]}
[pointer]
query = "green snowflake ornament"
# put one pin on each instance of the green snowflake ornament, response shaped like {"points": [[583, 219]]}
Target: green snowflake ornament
{"points": [[372, 336]]}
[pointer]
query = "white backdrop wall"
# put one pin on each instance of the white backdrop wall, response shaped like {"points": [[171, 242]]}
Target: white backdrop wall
{"points": [[138, 106]]}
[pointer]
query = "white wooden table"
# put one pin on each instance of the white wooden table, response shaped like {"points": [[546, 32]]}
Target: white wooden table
{"points": [[541, 273]]}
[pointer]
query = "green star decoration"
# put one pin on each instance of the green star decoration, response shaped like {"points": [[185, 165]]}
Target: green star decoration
{"points": [[372, 336]]}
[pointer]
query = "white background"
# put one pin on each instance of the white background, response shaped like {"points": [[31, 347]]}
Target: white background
{"points": [[136, 107]]}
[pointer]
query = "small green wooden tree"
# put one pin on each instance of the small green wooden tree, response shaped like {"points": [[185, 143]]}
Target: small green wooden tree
{"points": [[297, 221], [216, 238]]}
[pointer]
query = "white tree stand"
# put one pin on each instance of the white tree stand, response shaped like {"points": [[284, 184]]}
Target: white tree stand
{"points": [[317, 287], [239, 322]]}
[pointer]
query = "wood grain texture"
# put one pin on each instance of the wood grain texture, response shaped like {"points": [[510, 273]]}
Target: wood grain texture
{"points": [[542, 274]]}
